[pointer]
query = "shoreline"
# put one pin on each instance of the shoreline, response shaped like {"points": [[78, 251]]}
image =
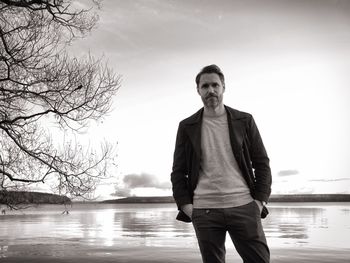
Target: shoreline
{"points": [[288, 198], [301, 198], [172, 255]]}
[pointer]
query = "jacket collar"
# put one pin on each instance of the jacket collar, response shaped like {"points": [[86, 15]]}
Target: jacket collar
{"points": [[197, 117]]}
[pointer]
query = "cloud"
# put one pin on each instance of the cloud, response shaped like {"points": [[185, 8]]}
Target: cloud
{"points": [[293, 188], [121, 191], [330, 180], [288, 172], [302, 190], [143, 180]]}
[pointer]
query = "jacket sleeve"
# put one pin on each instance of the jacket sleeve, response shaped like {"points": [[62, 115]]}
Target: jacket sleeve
{"points": [[179, 175], [260, 163]]}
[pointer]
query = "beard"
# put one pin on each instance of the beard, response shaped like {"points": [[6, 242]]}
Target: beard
{"points": [[212, 101]]}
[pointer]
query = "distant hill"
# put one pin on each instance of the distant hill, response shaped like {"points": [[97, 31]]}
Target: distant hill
{"points": [[273, 198], [23, 197], [311, 198], [141, 199]]}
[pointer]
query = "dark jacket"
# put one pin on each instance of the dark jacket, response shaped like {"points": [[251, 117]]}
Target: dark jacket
{"points": [[247, 147]]}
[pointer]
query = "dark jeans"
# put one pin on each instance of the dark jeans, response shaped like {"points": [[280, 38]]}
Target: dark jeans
{"points": [[243, 223]]}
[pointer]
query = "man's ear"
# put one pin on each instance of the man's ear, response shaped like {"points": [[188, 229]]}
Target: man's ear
{"points": [[198, 90]]}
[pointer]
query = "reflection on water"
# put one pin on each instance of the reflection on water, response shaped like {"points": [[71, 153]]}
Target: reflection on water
{"points": [[288, 225], [309, 224]]}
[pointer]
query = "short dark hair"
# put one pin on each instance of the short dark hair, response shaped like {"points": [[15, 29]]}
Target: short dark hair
{"points": [[211, 69]]}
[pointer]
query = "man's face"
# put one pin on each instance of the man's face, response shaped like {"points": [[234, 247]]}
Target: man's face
{"points": [[211, 90]]}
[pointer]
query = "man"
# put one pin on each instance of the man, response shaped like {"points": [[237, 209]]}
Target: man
{"points": [[221, 175]]}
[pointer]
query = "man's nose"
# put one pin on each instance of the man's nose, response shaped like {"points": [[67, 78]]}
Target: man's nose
{"points": [[211, 89]]}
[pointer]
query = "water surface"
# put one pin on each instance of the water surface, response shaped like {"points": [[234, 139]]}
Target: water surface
{"points": [[45, 231]]}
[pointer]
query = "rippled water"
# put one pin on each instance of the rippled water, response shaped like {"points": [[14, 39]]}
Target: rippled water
{"points": [[289, 225]]}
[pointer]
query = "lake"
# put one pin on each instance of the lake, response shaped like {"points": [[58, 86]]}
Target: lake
{"points": [[296, 232]]}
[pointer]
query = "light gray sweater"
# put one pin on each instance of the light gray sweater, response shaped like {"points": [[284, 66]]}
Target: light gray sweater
{"points": [[220, 184]]}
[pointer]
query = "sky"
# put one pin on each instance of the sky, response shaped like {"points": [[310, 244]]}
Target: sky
{"points": [[285, 62]]}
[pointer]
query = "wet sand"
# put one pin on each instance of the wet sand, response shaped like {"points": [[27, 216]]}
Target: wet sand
{"points": [[23, 253]]}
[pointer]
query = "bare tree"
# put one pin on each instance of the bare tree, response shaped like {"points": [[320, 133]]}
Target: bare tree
{"points": [[39, 80]]}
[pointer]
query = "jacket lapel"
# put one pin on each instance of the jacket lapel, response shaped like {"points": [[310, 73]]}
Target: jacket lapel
{"points": [[193, 129], [237, 130]]}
